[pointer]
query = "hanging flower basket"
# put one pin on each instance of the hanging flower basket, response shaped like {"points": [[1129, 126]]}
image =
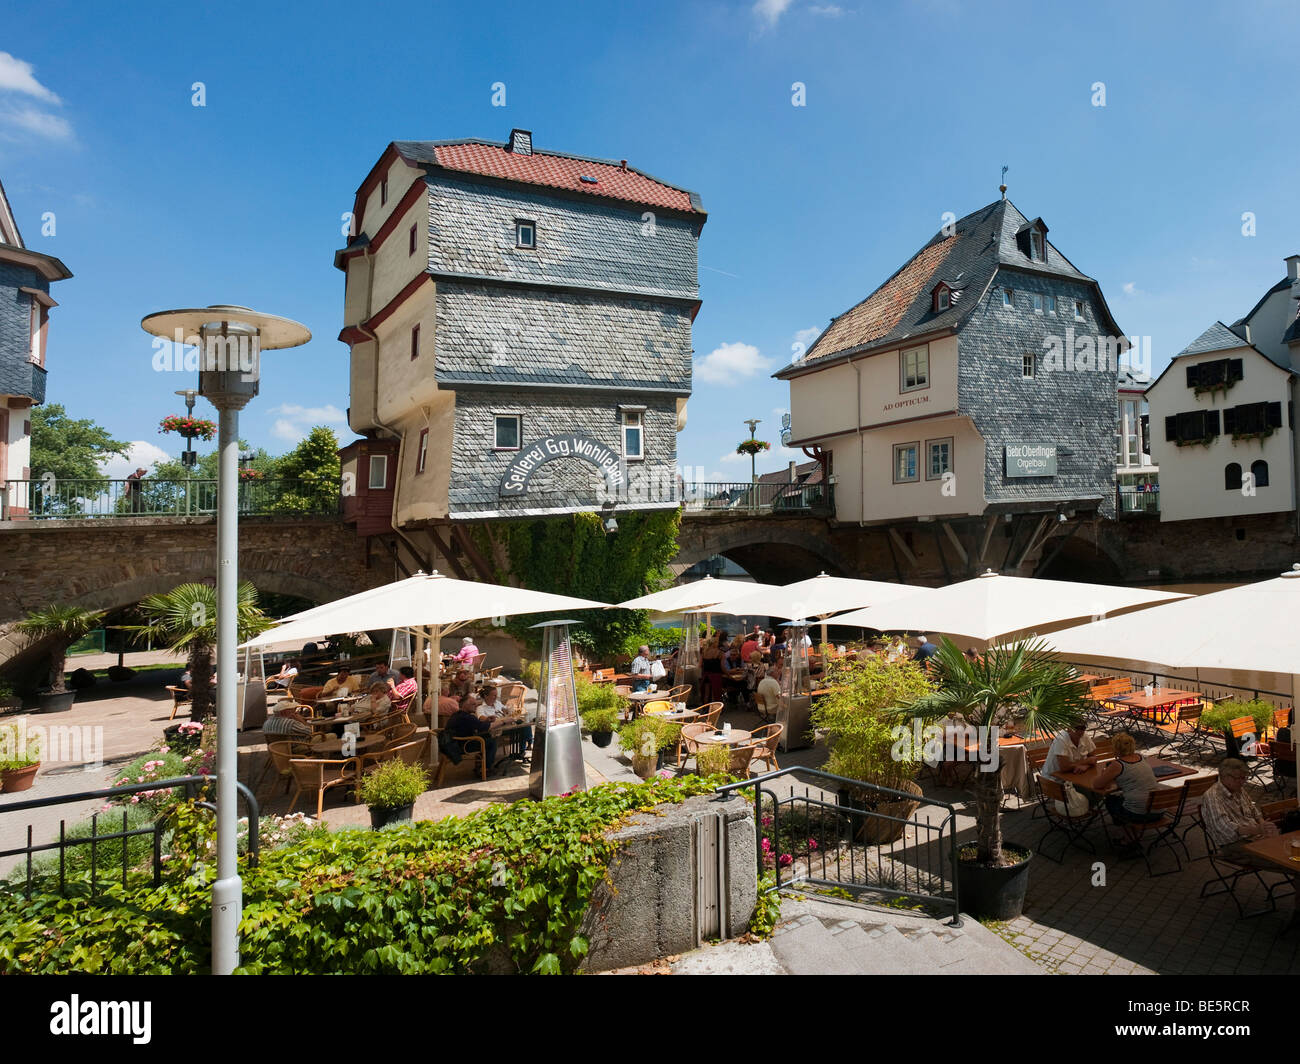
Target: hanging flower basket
{"points": [[251, 474], [192, 428], [753, 447]]}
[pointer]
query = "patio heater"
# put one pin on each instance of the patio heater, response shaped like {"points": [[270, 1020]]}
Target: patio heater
{"points": [[558, 767], [688, 658], [796, 687], [230, 341]]}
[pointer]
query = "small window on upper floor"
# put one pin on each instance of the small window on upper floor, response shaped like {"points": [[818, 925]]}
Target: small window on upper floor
{"points": [[383, 191], [1027, 365], [1078, 310], [942, 298], [1008, 297], [378, 472], [1051, 304], [422, 453], [525, 234], [507, 433], [633, 443], [410, 241], [1036, 301], [415, 342], [914, 369]]}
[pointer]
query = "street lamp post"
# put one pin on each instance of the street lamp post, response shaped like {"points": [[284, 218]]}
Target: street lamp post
{"points": [[188, 458], [753, 424], [231, 340]]}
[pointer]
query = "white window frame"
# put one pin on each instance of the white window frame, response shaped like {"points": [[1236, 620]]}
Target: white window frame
{"points": [[1037, 246], [1028, 361], [922, 381], [929, 445], [1051, 304], [518, 419], [1009, 298], [522, 224], [1036, 301], [1078, 310], [633, 419], [915, 448], [942, 299], [380, 462]]}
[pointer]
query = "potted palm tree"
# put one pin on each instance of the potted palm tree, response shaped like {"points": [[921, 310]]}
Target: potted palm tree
{"points": [[1018, 682], [185, 618], [63, 625]]}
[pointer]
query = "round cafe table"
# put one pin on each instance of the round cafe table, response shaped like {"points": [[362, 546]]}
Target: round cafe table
{"points": [[333, 747], [738, 737]]}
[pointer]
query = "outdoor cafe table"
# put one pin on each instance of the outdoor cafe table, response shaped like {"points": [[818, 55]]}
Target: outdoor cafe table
{"points": [[1276, 853], [333, 748], [1163, 702], [330, 722], [337, 700], [738, 737], [1088, 780]]}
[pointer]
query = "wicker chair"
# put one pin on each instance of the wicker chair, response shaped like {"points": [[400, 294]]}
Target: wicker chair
{"points": [[764, 741], [471, 746], [318, 775], [512, 697], [279, 754], [397, 733], [741, 756], [710, 714], [679, 693], [687, 742]]}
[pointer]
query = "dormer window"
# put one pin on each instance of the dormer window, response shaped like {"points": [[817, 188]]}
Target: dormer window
{"points": [[1036, 246], [1032, 238], [942, 297]]}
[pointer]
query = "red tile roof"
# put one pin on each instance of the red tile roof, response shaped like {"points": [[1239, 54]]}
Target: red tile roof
{"points": [[877, 315], [562, 171]]}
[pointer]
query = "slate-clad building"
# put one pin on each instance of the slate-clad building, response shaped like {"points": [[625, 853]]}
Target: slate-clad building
{"points": [[979, 379], [25, 302], [520, 322]]}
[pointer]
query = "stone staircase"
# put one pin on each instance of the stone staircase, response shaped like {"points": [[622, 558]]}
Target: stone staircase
{"points": [[821, 936]]}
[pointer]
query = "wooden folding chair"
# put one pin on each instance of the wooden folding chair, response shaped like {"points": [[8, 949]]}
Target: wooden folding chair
{"points": [[1240, 728], [1170, 802], [1282, 756], [1051, 791], [1195, 789], [1228, 874]]}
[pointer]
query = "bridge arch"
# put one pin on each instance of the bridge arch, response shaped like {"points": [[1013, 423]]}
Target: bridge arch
{"points": [[775, 551]]}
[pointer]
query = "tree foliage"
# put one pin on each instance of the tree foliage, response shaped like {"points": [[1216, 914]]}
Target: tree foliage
{"points": [[315, 465], [573, 555], [64, 625], [70, 448]]}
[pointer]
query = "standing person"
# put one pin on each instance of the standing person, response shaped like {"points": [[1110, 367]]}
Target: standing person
{"points": [[640, 669], [134, 490], [711, 666]]}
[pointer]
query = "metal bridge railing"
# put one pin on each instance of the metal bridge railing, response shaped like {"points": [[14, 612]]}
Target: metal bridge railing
{"points": [[762, 497], [52, 499]]}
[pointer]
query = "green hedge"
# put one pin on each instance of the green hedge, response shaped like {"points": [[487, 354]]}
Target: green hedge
{"points": [[505, 886]]}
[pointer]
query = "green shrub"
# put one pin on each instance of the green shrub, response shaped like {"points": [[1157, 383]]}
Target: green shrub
{"points": [[532, 674], [712, 759], [394, 784], [767, 913], [107, 854], [632, 735], [600, 719], [151, 767], [855, 712], [507, 885], [1220, 716]]}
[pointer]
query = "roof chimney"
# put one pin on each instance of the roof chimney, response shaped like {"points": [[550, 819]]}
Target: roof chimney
{"points": [[1293, 268], [521, 142]]}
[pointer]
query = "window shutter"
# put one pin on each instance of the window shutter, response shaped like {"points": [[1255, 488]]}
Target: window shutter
{"points": [[1193, 376], [1274, 420], [1171, 427], [1230, 421], [1232, 477], [1211, 423], [1236, 371]]}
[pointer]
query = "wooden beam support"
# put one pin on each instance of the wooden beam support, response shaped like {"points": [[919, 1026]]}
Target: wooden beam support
{"points": [[461, 536], [956, 543], [902, 547]]}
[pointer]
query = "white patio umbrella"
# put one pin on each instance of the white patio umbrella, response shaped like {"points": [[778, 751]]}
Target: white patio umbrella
{"points": [[421, 601], [1249, 628], [818, 597], [992, 606], [693, 597]]}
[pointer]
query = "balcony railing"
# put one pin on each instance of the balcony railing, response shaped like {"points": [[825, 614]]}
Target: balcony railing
{"points": [[763, 497], [1136, 499], [81, 499]]}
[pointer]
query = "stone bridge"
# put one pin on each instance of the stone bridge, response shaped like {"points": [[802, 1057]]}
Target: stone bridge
{"points": [[111, 563]]}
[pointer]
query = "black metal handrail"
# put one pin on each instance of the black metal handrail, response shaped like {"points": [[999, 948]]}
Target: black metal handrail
{"points": [[193, 785], [1211, 689], [849, 823]]}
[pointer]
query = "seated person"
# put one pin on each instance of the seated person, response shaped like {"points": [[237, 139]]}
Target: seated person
{"points": [[467, 653], [1134, 782], [972, 655], [1071, 751], [465, 723], [755, 670], [1231, 818], [284, 677], [403, 693], [375, 705], [461, 684], [187, 679], [493, 709], [446, 707], [286, 723], [767, 695], [342, 684], [750, 645]]}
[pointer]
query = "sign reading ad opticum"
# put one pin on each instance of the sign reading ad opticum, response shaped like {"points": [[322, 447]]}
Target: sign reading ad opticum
{"points": [[538, 453], [1031, 459]]}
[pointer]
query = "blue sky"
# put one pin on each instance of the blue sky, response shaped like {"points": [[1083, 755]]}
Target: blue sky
{"points": [[912, 108]]}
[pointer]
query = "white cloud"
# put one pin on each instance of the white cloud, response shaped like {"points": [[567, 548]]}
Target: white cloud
{"points": [[41, 123], [141, 454], [827, 10], [1131, 289], [769, 11], [807, 336], [18, 76], [727, 362], [294, 422]]}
